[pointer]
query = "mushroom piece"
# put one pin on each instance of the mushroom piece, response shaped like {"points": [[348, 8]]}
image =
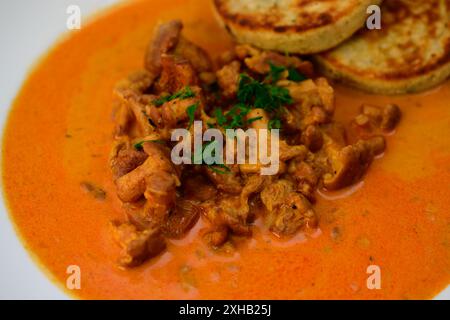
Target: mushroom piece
{"points": [[156, 179], [288, 210], [124, 158], [137, 245], [165, 38], [177, 73], [198, 57], [390, 118], [351, 162], [228, 78]]}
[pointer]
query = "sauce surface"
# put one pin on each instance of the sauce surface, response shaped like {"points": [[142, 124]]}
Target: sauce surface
{"points": [[59, 133]]}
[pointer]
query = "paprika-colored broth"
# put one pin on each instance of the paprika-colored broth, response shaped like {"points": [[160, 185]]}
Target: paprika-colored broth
{"points": [[59, 133]]}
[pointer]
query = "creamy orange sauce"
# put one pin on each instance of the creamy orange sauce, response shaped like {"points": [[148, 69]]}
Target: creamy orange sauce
{"points": [[59, 133]]}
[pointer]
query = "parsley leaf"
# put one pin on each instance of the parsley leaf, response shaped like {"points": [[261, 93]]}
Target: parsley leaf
{"points": [[278, 97], [226, 170], [184, 93], [296, 76], [237, 116], [139, 145], [274, 124], [247, 88], [262, 95], [253, 119], [253, 94], [275, 72], [233, 118], [221, 119], [191, 113], [214, 166]]}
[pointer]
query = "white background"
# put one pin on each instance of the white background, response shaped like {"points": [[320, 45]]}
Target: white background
{"points": [[27, 29]]}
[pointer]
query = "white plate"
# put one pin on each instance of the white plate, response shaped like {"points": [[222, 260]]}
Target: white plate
{"points": [[27, 29]]}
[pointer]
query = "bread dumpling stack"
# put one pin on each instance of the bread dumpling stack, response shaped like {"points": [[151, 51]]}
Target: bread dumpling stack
{"points": [[410, 53]]}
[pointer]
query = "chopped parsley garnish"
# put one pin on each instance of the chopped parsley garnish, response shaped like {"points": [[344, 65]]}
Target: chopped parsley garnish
{"points": [[139, 145], [221, 119], [191, 113], [234, 118], [275, 72], [219, 168], [184, 93], [262, 95], [274, 124], [253, 119], [214, 167], [162, 100], [253, 94], [296, 76]]}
